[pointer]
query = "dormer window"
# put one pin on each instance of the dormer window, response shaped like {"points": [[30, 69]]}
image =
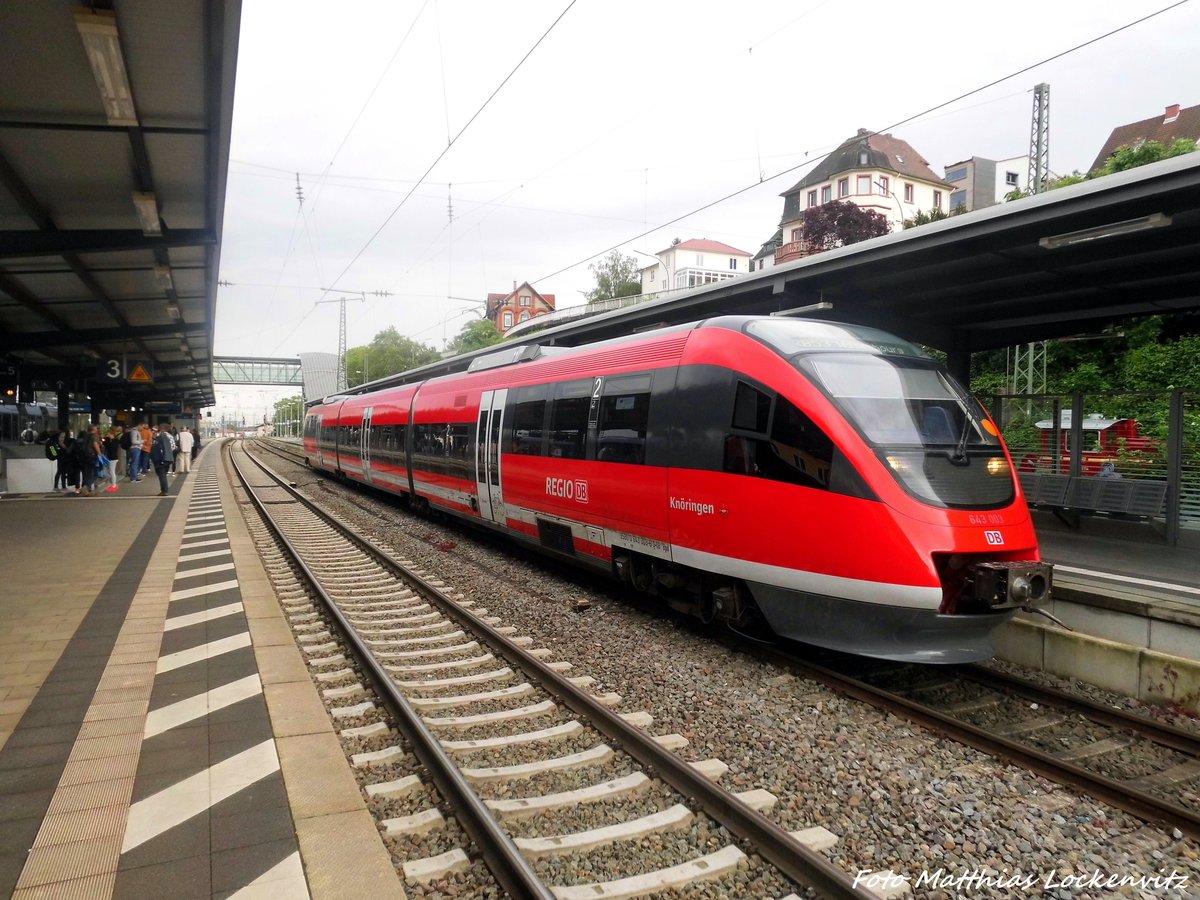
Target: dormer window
{"points": [[863, 157]]}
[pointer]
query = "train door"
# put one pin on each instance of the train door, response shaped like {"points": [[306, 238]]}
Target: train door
{"points": [[488, 487], [364, 444]]}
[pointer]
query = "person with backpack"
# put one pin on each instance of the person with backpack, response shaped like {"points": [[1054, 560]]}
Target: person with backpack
{"points": [[56, 451], [162, 452]]}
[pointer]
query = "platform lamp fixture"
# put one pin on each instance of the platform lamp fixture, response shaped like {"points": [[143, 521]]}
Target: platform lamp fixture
{"points": [[146, 205], [98, 30]]}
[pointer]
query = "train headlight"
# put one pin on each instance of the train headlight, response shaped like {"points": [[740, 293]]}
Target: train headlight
{"points": [[997, 467]]}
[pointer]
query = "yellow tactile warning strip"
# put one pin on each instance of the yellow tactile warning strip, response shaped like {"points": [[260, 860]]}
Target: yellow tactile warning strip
{"points": [[343, 853]]}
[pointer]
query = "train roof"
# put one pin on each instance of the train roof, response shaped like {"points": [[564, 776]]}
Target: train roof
{"points": [[785, 335]]}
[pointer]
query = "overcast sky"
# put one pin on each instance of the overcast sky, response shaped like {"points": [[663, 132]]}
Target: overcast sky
{"points": [[626, 117]]}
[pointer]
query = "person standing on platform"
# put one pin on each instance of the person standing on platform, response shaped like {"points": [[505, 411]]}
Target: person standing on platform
{"points": [[61, 442], [175, 452], [123, 444], [196, 444], [183, 461], [134, 468], [160, 455], [112, 450], [147, 439]]}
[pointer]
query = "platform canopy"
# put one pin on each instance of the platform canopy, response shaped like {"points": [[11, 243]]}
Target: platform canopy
{"points": [[114, 144]]}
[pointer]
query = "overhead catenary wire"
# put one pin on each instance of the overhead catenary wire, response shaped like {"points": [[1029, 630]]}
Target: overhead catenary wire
{"points": [[886, 128], [454, 140]]}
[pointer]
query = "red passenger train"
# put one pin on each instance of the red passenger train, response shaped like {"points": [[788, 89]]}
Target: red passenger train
{"points": [[830, 479]]}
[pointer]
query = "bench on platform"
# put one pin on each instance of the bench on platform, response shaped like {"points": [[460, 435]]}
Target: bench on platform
{"points": [[1130, 497]]}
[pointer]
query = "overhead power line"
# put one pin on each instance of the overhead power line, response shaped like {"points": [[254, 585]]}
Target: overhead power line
{"points": [[896, 124], [454, 140]]}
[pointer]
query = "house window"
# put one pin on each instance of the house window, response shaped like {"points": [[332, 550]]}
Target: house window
{"points": [[1011, 179], [826, 194], [843, 187], [699, 259], [812, 198], [508, 318], [795, 234], [525, 300], [957, 199], [908, 193], [733, 263], [524, 315], [937, 199], [957, 174], [862, 184], [883, 184]]}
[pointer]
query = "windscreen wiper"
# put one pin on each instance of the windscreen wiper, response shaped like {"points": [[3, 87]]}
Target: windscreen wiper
{"points": [[959, 456]]}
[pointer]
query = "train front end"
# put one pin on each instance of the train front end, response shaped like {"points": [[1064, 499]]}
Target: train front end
{"points": [[963, 553]]}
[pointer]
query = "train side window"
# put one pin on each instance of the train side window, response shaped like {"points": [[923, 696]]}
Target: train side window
{"points": [[624, 413], [528, 418], [569, 419]]}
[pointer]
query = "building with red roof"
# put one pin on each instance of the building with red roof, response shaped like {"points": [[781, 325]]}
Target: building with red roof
{"points": [[519, 305], [1173, 124], [875, 171]]}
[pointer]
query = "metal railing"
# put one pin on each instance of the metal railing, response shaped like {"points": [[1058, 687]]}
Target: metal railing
{"points": [[1149, 439]]}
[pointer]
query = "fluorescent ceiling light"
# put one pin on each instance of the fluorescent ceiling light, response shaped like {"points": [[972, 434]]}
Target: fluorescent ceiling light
{"points": [[801, 310], [1129, 226], [162, 276], [184, 348], [173, 309], [147, 210], [98, 29]]}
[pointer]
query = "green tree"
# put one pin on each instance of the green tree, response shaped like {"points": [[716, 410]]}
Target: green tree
{"points": [[475, 336], [1142, 153], [388, 353], [839, 223], [617, 275], [934, 215]]}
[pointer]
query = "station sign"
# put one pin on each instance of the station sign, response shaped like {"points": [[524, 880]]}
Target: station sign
{"points": [[132, 371]]}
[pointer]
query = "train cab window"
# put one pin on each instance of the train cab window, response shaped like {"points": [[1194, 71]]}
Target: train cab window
{"points": [[779, 442], [751, 408], [624, 413], [798, 451], [569, 419], [528, 421]]}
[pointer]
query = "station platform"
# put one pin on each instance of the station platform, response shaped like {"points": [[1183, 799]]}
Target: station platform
{"points": [[1133, 606], [159, 732]]}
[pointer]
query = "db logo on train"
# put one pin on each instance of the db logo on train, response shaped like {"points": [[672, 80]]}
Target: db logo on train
{"points": [[994, 538], [576, 490]]}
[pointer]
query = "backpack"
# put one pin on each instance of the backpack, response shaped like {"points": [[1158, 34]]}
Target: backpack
{"points": [[126, 440], [52, 449]]}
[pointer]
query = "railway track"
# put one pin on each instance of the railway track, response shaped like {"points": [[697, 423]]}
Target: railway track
{"points": [[1121, 758], [484, 761], [1127, 760]]}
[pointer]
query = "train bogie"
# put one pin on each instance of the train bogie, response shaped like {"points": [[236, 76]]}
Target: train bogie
{"points": [[832, 480]]}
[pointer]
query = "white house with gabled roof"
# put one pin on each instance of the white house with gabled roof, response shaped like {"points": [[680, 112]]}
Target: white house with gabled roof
{"points": [[692, 263]]}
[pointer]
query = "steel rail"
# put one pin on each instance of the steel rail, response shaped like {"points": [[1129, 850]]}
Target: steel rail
{"points": [[1116, 793], [773, 843], [506, 863], [1168, 735]]}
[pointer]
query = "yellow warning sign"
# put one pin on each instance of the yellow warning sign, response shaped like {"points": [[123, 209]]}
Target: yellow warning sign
{"points": [[139, 373]]}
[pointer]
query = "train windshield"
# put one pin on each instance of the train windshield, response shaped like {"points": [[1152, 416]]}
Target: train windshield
{"points": [[932, 435]]}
